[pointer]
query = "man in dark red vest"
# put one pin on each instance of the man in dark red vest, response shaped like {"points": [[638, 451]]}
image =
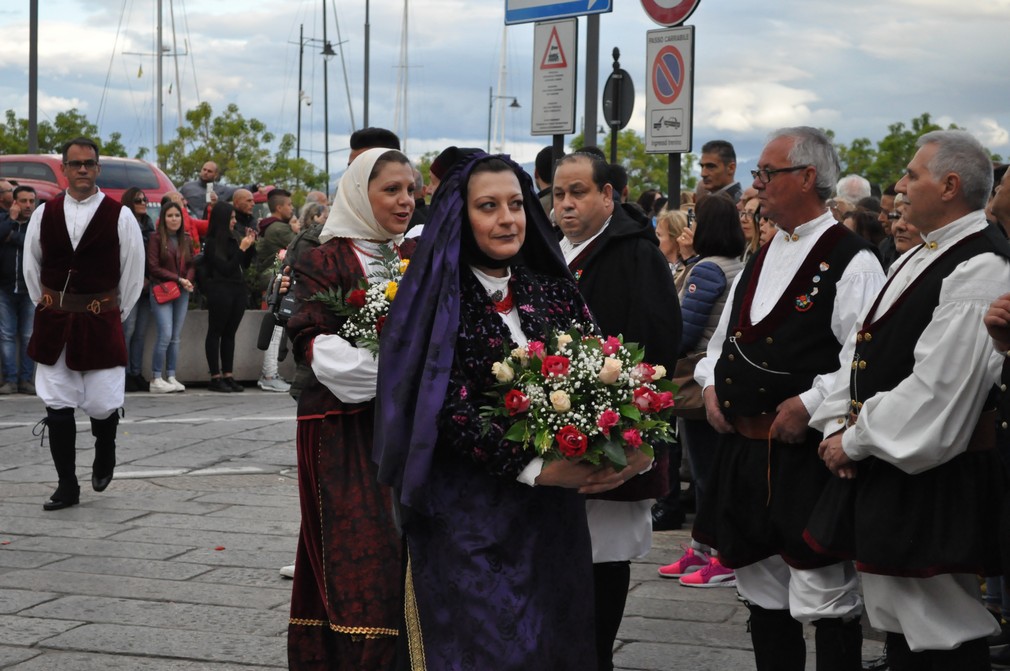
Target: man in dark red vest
{"points": [[84, 267]]}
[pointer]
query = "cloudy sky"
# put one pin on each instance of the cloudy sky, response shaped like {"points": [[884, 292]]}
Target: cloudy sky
{"points": [[854, 67]]}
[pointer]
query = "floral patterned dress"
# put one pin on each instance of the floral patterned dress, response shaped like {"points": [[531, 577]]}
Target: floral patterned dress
{"points": [[500, 572]]}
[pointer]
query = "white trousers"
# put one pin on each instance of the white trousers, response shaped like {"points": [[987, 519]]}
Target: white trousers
{"points": [[808, 594], [270, 363], [938, 613], [99, 393]]}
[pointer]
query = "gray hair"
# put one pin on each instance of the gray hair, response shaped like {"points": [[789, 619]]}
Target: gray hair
{"points": [[959, 152], [310, 211], [812, 147], [853, 188]]}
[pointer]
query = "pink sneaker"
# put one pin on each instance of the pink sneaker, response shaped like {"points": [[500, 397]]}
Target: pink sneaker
{"points": [[689, 562], [713, 575]]}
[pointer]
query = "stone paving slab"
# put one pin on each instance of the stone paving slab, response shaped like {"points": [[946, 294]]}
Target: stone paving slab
{"points": [[9, 510], [272, 560], [15, 600], [287, 513], [10, 656], [284, 496], [654, 656], [99, 548], [54, 525], [197, 617], [29, 631], [249, 576], [207, 539], [679, 610], [138, 568], [174, 643], [88, 662], [248, 525], [145, 588], [25, 559]]}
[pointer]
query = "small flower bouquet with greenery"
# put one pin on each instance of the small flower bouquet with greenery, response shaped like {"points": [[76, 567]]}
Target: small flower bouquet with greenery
{"points": [[367, 305], [583, 398]]}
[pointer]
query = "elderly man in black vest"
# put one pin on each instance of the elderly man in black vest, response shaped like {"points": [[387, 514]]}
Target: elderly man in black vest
{"points": [[774, 357], [911, 429], [84, 267]]}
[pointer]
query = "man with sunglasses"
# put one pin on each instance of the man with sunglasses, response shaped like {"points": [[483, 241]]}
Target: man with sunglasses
{"points": [[84, 267], [769, 365]]}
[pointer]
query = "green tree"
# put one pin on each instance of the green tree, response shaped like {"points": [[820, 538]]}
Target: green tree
{"points": [[645, 170], [238, 146], [53, 134]]}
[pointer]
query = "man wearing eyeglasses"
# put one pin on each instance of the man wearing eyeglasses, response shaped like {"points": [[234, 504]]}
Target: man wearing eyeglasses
{"points": [[84, 267], [769, 365]]}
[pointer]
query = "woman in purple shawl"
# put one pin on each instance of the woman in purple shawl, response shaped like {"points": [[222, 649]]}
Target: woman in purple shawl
{"points": [[499, 572]]}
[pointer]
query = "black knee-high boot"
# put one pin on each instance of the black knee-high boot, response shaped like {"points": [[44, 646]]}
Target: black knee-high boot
{"points": [[900, 657], [839, 644], [63, 447], [777, 639], [104, 431], [969, 656]]}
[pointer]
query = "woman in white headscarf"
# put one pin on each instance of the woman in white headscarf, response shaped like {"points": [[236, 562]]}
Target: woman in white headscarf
{"points": [[346, 601]]}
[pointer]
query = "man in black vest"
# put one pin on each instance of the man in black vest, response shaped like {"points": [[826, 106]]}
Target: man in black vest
{"points": [[911, 431], [769, 365], [628, 286], [84, 267]]}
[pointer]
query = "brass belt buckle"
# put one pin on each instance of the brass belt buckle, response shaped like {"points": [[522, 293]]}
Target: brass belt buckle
{"points": [[94, 307]]}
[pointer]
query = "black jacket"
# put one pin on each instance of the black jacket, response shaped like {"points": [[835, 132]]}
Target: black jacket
{"points": [[12, 240]]}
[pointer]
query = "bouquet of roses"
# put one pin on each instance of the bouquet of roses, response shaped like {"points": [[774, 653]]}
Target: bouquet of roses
{"points": [[367, 305], [582, 397]]}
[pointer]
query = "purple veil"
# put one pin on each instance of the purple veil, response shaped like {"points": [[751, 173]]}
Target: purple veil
{"points": [[419, 337]]}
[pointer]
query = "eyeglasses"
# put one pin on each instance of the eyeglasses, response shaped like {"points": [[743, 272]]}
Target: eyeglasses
{"points": [[764, 175], [746, 215], [140, 201], [90, 164]]}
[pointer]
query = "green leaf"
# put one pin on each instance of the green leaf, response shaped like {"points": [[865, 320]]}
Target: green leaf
{"points": [[517, 432], [631, 411], [615, 453]]}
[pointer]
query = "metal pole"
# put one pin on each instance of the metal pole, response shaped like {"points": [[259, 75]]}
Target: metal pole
{"points": [[326, 108], [615, 107], [368, 29], [673, 181], [161, 54], [301, 54], [33, 77], [592, 78], [490, 104]]}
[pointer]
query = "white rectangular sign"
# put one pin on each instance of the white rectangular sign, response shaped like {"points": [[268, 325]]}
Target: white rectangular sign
{"points": [[669, 90], [554, 50]]}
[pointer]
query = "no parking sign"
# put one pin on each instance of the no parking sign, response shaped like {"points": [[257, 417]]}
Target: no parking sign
{"points": [[669, 97]]}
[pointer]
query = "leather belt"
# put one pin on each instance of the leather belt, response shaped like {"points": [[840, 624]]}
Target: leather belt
{"points": [[757, 427], [67, 302]]}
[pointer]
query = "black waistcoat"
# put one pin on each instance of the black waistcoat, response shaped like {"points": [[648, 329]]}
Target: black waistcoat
{"points": [[885, 345], [763, 364]]}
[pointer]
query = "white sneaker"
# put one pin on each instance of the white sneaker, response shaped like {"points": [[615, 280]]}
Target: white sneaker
{"points": [[159, 386], [288, 571], [179, 386], [273, 384]]}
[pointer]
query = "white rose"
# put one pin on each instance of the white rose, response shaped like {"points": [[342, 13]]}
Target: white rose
{"points": [[610, 371], [660, 373], [520, 354], [563, 340], [560, 401], [502, 372]]}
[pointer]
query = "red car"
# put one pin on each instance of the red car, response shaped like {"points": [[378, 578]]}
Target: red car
{"points": [[117, 175]]}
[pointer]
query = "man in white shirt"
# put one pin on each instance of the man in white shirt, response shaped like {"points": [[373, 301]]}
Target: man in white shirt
{"points": [[912, 433], [84, 268], [774, 356]]}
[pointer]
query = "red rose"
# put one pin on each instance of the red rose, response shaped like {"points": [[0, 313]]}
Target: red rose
{"points": [[356, 299], [571, 441], [632, 437], [555, 365], [608, 419], [379, 323], [611, 345], [535, 348], [665, 400], [642, 398], [644, 372], [516, 402]]}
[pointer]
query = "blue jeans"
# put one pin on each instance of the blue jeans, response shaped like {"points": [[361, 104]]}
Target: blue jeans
{"points": [[17, 316], [134, 331], [168, 318]]}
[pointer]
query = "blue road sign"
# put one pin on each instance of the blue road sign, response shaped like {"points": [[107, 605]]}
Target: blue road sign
{"points": [[526, 11]]}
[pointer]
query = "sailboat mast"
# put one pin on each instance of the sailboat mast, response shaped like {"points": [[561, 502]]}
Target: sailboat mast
{"points": [[161, 54], [499, 129]]}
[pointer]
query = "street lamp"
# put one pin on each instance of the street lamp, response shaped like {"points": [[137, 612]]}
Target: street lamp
{"points": [[491, 97]]}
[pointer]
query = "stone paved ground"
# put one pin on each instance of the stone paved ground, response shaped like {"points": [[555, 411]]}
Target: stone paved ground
{"points": [[174, 567]]}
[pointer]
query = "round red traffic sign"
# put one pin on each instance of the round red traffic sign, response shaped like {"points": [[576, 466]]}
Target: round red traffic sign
{"points": [[669, 12], [668, 74]]}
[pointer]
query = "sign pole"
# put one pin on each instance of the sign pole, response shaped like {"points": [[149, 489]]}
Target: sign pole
{"points": [[592, 79], [673, 181], [615, 114]]}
